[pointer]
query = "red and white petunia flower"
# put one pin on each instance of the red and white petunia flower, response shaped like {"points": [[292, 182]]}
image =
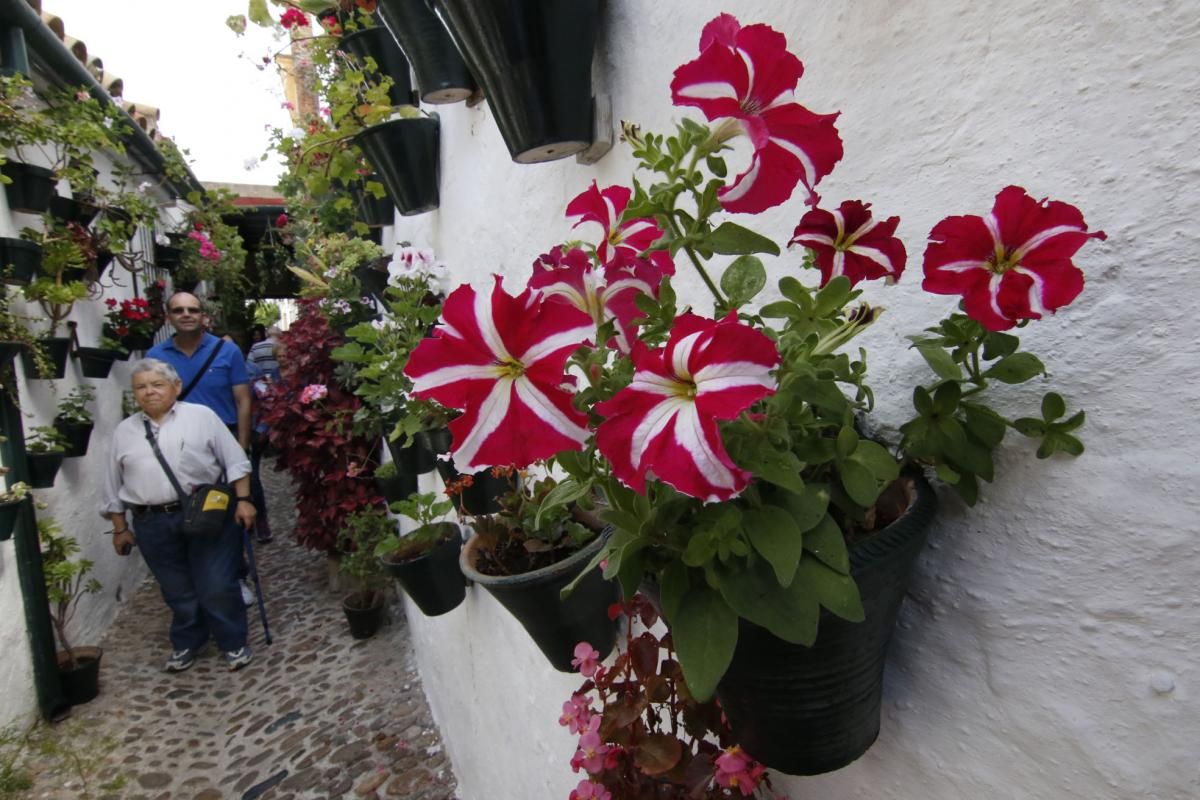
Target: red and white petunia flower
{"points": [[605, 207], [665, 421], [849, 241], [1013, 264], [572, 278], [500, 360], [747, 76]]}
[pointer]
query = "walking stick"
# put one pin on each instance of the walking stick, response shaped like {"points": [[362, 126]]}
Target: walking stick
{"points": [[262, 607]]}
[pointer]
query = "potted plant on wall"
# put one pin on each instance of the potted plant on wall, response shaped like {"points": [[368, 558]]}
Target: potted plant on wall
{"points": [[130, 322], [425, 561], [534, 62], [361, 534], [393, 486], [442, 75], [403, 151], [374, 49], [16, 338], [734, 452], [67, 582], [74, 420], [10, 506], [56, 291], [20, 260], [45, 450]]}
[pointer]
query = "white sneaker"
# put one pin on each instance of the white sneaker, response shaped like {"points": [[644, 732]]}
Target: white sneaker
{"points": [[247, 591]]}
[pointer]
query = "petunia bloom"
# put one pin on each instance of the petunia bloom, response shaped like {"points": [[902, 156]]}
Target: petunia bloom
{"points": [[849, 241], [665, 421], [632, 237], [571, 277], [747, 76], [1014, 263], [586, 659], [500, 360]]}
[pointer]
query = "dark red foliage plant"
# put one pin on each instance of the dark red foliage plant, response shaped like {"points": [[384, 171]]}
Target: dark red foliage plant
{"points": [[314, 438], [642, 736]]}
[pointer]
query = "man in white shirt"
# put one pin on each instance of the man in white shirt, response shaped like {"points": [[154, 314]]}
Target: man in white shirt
{"points": [[197, 575]]}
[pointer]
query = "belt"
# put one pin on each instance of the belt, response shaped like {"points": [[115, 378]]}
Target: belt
{"points": [[166, 508]]}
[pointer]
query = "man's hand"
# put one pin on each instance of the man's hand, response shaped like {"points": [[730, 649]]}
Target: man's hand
{"points": [[123, 542], [246, 514]]}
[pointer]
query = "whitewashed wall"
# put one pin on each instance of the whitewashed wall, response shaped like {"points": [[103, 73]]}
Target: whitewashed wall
{"points": [[1049, 645]]}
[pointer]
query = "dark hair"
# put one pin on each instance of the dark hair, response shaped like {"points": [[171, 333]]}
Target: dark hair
{"points": [[262, 329]]}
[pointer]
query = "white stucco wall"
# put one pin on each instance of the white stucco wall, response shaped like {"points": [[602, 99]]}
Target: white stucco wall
{"points": [[1048, 647]]}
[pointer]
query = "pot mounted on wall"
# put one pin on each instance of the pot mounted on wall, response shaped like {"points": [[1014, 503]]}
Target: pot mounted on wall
{"points": [[442, 75], [19, 260], [404, 152], [389, 59], [534, 61], [31, 188]]}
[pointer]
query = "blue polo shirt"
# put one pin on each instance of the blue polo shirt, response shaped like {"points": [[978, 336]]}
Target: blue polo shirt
{"points": [[215, 389]]}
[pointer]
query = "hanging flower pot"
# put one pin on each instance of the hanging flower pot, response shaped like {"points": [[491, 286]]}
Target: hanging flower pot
{"points": [[56, 348], [378, 44], [96, 362], [415, 459], [137, 341], [373, 281], [43, 468], [31, 188], [442, 75], [432, 578], [808, 710], [77, 435], [167, 256], [534, 61], [373, 211], [396, 487], [9, 351], [405, 154], [67, 210], [555, 624], [20, 260], [10, 510]]}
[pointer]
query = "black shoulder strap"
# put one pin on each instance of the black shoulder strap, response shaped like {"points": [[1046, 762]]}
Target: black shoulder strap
{"points": [[166, 467], [196, 378]]}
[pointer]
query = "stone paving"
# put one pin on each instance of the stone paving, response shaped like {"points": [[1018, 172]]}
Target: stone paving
{"points": [[317, 715]]}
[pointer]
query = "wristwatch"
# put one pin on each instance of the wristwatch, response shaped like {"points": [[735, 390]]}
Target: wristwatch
{"points": [[249, 500]]}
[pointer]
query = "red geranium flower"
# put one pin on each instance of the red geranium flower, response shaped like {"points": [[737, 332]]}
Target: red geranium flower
{"points": [[747, 76], [293, 17], [1013, 264], [605, 207], [850, 242]]}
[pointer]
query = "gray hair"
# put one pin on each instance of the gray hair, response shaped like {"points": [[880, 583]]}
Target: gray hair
{"points": [[157, 367], [274, 331]]}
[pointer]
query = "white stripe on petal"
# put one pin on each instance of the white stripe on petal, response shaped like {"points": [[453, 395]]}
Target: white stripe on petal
{"points": [[540, 349], [854, 236], [1040, 238], [1035, 291], [962, 266], [744, 184], [487, 327], [710, 91], [652, 424], [460, 372], [653, 383], [690, 436], [731, 374], [994, 295], [815, 238], [878, 256], [810, 170], [682, 353], [547, 412], [839, 264], [491, 413]]}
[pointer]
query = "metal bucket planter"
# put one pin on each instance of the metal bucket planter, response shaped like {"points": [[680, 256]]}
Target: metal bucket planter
{"points": [[56, 348], [378, 44], [433, 579], [534, 61], [808, 710], [31, 189], [405, 154], [19, 260], [442, 75]]}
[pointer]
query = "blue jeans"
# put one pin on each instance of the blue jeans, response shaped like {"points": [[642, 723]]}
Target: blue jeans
{"points": [[198, 579]]}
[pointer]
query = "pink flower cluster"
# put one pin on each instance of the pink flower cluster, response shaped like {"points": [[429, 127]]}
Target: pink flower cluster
{"points": [[207, 250], [736, 770], [313, 392]]}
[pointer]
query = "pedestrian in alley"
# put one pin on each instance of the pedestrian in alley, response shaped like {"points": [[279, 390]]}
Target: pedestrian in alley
{"points": [[198, 576]]}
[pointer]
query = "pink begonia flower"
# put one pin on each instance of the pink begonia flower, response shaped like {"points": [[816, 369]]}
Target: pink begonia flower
{"points": [[313, 392], [500, 360], [633, 236], [592, 749], [293, 17], [1013, 264], [586, 790], [586, 659], [747, 76], [665, 421], [849, 241], [577, 714], [573, 279], [736, 770]]}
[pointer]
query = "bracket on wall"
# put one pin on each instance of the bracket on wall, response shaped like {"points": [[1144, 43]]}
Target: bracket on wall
{"points": [[602, 131]]}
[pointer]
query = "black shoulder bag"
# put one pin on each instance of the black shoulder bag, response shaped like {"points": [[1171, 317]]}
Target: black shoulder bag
{"points": [[206, 511], [207, 363]]}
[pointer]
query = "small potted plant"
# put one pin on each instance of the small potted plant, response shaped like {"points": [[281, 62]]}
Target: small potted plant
{"points": [[425, 561], [96, 362], [10, 505], [361, 534], [67, 582], [17, 338], [45, 449], [74, 420], [392, 485], [56, 290], [130, 322]]}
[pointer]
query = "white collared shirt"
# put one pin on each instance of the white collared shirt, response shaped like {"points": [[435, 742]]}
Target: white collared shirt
{"points": [[194, 442]]}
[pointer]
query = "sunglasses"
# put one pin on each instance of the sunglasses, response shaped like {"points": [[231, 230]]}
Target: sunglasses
{"points": [[185, 310]]}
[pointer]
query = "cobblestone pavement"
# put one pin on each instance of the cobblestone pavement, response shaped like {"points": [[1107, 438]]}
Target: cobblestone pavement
{"points": [[317, 715]]}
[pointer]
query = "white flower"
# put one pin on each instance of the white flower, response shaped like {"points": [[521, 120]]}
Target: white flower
{"points": [[161, 239]]}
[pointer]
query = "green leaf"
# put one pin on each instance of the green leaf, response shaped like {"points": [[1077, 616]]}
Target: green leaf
{"points": [[999, 345], [807, 507], [947, 473], [701, 549], [847, 441], [734, 240], [826, 542], [833, 296], [622, 520], [922, 402], [835, 591], [984, 424], [974, 458], [773, 532], [672, 586], [780, 467], [1030, 426], [705, 635], [824, 394], [940, 362], [876, 458], [781, 309], [945, 399], [716, 166], [1017, 368], [743, 280], [859, 483], [968, 488], [258, 14], [1074, 422], [1053, 406], [791, 613], [564, 493]]}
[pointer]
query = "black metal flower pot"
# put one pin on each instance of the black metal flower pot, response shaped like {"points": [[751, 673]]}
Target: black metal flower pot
{"points": [[96, 362], [8, 521], [483, 494], [378, 44], [67, 210], [364, 621], [404, 152], [43, 468], [137, 341], [442, 75], [77, 435], [397, 487], [415, 459], [81, 682], [433, 580], [31, 188], [534, 61], [19, 260], [556, 625], [56, 348], [372, 210], [167, 256], [809, 710], [9, 351]]}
